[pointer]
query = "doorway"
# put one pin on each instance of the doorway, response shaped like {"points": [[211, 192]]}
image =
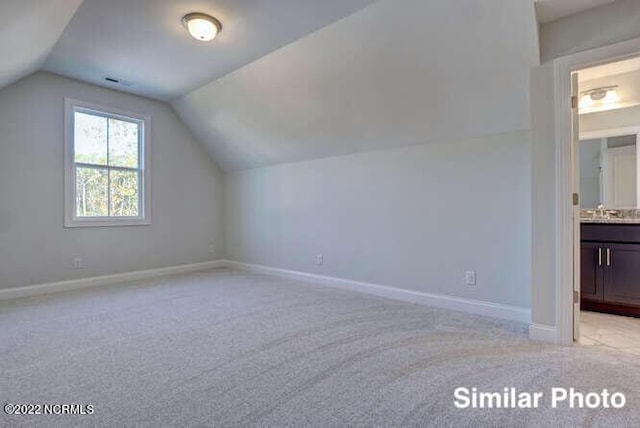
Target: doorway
{"points": [[605, 159]]}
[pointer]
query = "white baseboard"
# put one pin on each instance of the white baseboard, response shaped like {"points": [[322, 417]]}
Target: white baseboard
{"points": [[543, 333], [496, 310], [75, 284], [490, 309]]}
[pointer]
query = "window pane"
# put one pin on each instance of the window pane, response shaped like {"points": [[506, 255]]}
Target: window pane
{"points": [[123, 143], [90, 138], [124, 193], [91, 192]]}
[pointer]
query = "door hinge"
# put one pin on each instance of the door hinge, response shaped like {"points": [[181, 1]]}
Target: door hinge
{"points": [[574, 102], [576, 199], [576, 296]]}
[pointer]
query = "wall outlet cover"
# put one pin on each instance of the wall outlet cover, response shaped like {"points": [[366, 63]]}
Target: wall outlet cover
{"points": [[77, 263], [470, 277]]}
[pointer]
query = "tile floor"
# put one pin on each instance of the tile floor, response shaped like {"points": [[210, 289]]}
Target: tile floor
{"points": [[610, 332]]}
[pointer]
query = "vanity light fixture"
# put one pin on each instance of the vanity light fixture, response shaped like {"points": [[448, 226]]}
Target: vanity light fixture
{"points": [[202, 27], [599, 96]]}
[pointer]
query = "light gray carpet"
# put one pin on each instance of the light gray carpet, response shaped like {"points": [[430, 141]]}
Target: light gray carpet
{"points": [[223, 348]]}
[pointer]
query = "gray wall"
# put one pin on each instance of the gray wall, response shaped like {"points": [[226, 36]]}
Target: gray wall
{"points": [[414, 218], [355, 92], [604, 25], [543, 288], [186, 191]]}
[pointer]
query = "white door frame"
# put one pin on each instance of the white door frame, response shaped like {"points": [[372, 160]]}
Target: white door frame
{"points": [[602, 135], [562, 68]]}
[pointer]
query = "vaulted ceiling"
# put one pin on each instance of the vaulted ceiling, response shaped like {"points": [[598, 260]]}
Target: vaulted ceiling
{"points": [[29, 30], [143, 42], [289, 80], [399, 72]]}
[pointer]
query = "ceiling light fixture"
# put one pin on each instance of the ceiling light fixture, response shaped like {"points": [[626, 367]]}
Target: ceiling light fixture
{"points": [[202, 27], [599, 96]]}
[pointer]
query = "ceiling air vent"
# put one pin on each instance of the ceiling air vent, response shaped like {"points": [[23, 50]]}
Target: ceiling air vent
{"points": [[117, 81]]}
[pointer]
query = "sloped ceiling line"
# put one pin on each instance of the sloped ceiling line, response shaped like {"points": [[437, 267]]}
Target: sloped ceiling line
{"points": [[30, 30], [144, 43], [347, 75], [397, 73]]}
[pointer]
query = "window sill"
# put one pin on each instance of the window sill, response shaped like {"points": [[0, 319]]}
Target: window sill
{"points": [[107, 222]]}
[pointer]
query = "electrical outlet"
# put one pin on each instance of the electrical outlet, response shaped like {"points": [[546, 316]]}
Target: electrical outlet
{"points": [[470, 277], [77, 262], [212, 248], [319, 259]]}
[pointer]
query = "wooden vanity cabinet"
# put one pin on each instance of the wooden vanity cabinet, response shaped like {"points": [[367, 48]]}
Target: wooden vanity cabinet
{"points": [[610, 268], [591, 275], [622, 276]]}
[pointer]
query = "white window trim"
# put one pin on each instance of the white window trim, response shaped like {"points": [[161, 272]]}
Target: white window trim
{"points": [[70, 218]]}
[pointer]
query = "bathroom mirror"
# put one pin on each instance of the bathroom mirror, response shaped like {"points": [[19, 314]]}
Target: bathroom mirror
{"points": [[609, 172]]}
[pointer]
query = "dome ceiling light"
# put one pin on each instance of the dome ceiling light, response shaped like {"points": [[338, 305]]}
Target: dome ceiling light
{"points": [[202, 27]]}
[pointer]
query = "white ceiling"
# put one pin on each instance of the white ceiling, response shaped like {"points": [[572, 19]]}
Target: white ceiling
{"points": [[29, 30], [550, 10], [398, 72], [609, 70], [289, 80], [143, 41]]}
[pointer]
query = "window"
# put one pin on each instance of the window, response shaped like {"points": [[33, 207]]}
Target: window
{"points": [[106, 166]]}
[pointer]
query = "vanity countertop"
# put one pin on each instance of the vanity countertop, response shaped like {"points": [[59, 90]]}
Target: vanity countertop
{"points": [[610, 220]]}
